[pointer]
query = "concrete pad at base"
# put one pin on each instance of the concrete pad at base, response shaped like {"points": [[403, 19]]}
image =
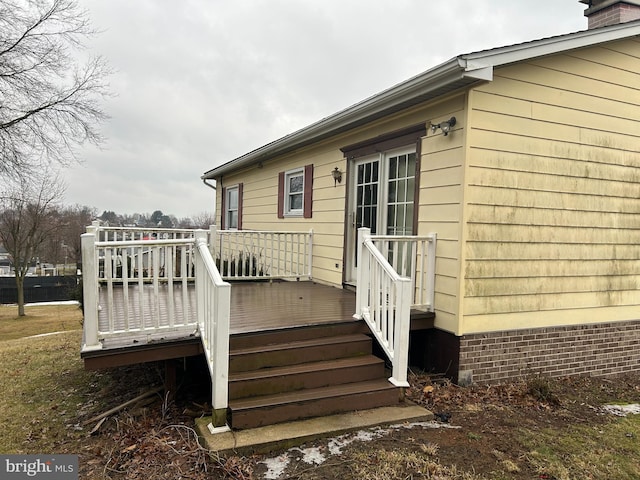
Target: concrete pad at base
{"points": [[287, 435]]}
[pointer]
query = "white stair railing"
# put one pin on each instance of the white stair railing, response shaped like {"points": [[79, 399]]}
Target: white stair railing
{"points": [[214, 314], [384, 297]]}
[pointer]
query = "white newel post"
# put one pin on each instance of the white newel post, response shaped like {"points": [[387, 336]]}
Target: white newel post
{"points": [[90, 290], [401, 333], [220, 354], [362, 273]]}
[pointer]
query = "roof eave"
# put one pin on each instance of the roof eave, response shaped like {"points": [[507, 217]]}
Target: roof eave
{"points": [[455, 73], [548, 46], [399, 96]]}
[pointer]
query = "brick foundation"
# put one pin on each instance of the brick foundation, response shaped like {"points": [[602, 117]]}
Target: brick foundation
{"points": [[600, 349]]}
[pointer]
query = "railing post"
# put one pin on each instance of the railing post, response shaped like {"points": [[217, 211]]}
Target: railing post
{"points": [[362, 273], [310, 254], [220, 356], [431, 269], [200, 235], [90, 291], [401, 335], [213, 238]]}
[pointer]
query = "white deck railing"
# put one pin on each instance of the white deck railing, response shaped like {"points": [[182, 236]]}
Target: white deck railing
{"points": [[413, 257], [115, 234], [145, 276], [159, 272], [384, 297], [214, 313], [251, 254]]}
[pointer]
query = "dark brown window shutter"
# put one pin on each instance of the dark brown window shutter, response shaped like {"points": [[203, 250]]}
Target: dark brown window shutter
{"points": [[281, 195], [308, 191], [223, 209], [240, 188]]}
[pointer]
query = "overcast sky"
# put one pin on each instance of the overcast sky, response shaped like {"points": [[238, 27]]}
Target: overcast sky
{"points": [[200, 82]]}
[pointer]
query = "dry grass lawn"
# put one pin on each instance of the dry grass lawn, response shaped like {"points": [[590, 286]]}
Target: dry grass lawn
{"points": [[39, 319]]}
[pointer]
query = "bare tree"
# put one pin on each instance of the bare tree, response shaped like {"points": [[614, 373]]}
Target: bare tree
{"points": [[203, 220], [64, 243], [28, 217], [49, 102]]}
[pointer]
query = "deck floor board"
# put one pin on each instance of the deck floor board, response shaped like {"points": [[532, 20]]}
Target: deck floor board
{"points": [[255, 306]]}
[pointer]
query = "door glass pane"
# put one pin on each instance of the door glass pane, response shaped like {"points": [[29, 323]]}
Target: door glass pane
{"points": [[393, 168], [402, 166], [392, 191], [367, 195], [401, 192]]}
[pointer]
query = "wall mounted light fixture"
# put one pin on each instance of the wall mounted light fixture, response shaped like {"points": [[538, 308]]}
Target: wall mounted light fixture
{"points": [[337, 176], [444, 126]]}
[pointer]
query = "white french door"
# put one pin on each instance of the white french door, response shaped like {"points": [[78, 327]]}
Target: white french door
{"points": [[381, 198]]}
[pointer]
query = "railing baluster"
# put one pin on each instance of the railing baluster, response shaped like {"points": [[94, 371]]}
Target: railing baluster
{"points": [[156, 290], [108, 272], [169, 256], [140, 275], [125, 286]]}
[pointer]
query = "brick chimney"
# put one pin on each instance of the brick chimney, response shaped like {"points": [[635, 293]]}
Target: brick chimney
{"points": [[610, 12]]}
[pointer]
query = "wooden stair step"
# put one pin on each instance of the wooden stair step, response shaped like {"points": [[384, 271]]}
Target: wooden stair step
{"points": [[269, 381], [269, 409], [284, 335], [303, 351]]}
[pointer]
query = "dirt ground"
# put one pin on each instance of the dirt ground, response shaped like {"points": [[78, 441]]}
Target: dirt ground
{"points": [[155, 439]]}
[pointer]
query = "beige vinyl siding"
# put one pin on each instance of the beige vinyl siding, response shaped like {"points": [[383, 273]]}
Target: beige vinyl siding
{"points": [[552, 192], [441, 180], [260, 204], [260, 192]]}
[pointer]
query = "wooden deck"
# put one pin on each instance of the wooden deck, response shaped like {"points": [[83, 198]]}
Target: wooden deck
{"points": [[255, 307]]}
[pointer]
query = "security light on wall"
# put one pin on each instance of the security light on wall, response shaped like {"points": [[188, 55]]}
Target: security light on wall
{"points": [[337, 176], [444, 126]]}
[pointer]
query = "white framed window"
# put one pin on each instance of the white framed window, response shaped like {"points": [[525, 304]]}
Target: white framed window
{"points": [[294, 192], [231, 207]]}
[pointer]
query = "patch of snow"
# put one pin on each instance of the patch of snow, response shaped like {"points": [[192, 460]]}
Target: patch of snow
{"points": [[314, 456], [47, 334], [622, 410], [63, 302], [276, 466]]}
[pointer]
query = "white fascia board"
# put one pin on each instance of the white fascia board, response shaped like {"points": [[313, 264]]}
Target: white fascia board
{"points": [[361, 112], [548, 46]]}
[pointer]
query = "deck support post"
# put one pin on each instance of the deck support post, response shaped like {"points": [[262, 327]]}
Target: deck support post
{"points": [[170, 379], [90, 291]]}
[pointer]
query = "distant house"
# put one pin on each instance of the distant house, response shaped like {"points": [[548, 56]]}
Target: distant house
{"points": [[524, 160]]}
